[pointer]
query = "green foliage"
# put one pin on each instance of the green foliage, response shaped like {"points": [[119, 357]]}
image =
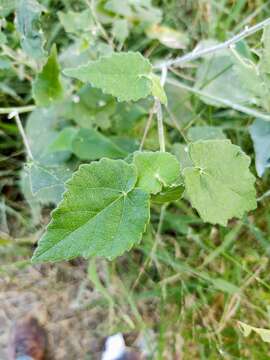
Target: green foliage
{"points": [[47, 87], [96, 161], [123, 75], [76, 22], [219, 185], [89, 144], [156, 170], [260, 134], [101, 214], [27, 23]]}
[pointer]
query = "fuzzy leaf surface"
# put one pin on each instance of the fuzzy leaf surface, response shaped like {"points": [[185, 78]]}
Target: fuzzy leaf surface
{"points": [[101, 214], [219, 185], [156, 170], [28, 13], [123, 75], [47, 87]]}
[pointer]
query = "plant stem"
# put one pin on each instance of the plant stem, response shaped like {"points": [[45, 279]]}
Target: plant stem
{"points": [[161, 137], [15, 115], [158, 109], [226, 103], [196, 54], [18, 110]]}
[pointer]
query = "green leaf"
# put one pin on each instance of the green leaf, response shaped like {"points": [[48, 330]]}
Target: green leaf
{"points": [[123, 75], [260, 134], [168, 194], [156, 170], [218, 75], [196, 133], [157, 89], [76, 22], [89, 144], [182, 155], [47, 87], [90, 106], [27, 24], [47, 177], [64, 140], [101, 214], [219, 185], [120, 30], [247, 329]]}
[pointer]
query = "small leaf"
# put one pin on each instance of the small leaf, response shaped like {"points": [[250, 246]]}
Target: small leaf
{"points": [[168, 194], [260, 134], [47, 87], [76, 22], [247, 329], [157, 89], [89, 144], [219, 185], [156, 170], [120, 30], [101, 214], [123, 75], [27, 24]]}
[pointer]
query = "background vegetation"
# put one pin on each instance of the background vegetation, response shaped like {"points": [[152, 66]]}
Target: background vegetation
{"points": [[186, 286]]}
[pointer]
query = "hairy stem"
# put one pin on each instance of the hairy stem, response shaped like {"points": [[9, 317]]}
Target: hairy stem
{"points": [[16, 116], [18, 110], [196, 54], [226, 103]]}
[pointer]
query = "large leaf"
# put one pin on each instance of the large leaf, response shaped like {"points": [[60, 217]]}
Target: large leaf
{"points": [[42, 177], [89, 144], [156, 170], [27, 23], [123, 75], [47, 87], [90, 106], [217, 76], [196, 133], [219, 185], [260, 134], [101, 214]]}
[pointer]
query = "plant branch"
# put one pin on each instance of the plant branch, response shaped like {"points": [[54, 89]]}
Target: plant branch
{"points": [[158, 110], [226, 103], [18, 110], [196, 54], [16, 116]]}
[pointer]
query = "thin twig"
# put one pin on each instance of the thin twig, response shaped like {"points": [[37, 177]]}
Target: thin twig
{"points": [[196, 54], [18, 110], [161, 137], [15, 115], [226, 103], [147, 127], [158, 108]]}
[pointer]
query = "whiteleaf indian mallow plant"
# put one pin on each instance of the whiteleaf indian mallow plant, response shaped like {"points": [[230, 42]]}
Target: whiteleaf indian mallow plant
{"points": [[106, 206], [93, 149]]}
